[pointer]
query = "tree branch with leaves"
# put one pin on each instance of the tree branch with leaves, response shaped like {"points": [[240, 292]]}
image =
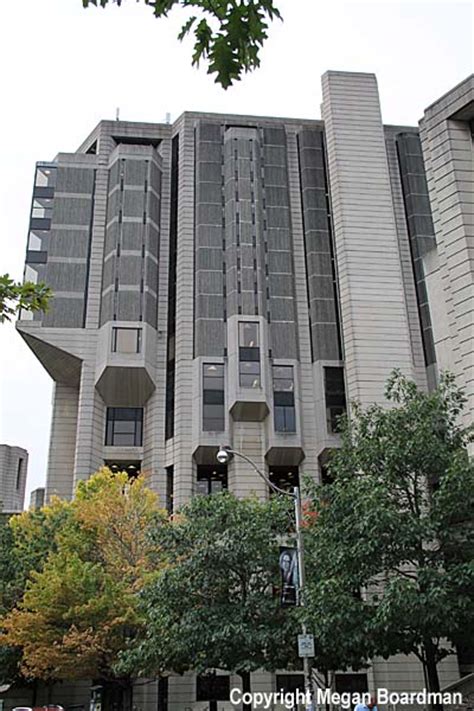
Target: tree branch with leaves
{"points": [[228, 34], [15, 296], [390, 554]]}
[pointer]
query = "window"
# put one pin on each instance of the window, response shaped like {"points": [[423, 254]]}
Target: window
{"points": [[163, 693], [132, 468], [289, 683], [170, 489], [249, 355], [124, 426], [213, 415], [210, 687], [211, 479], [126, 340], [42, 208], [45, 181], [19, 473], [169, 400], [335, 397], [38, 240], [45, 176], [285, 478], [351, 683], [248, 334], [284, 398], [31, 274]]}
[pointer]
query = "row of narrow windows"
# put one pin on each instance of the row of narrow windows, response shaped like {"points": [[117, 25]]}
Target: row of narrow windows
{"points": [[213, 478], [128, 340], [124, 425], [210, 478]]}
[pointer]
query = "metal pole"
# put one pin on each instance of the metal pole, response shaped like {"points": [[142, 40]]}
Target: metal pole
{"points": [[301, 588], [295, 494]]}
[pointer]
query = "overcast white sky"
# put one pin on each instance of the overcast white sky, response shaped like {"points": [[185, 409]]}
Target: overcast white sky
{"points": [[65, 68]]}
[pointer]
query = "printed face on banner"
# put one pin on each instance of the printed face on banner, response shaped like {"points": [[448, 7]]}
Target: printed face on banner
{"points": [[289, 576]]}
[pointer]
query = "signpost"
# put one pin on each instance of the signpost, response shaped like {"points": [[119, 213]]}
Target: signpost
{"points": [[305, 645]]}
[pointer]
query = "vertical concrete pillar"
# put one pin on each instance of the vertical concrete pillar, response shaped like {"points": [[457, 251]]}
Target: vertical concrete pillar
{"points": [[374, 316], [62, 442]]}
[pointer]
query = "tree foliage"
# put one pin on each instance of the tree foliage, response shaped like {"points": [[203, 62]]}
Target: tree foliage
{"points": [[390, 554], [15, 296], [79, 607], [227, 33], [25, 541], [213, 605]]}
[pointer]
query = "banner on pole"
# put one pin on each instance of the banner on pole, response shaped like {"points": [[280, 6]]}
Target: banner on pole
{"points": [[289, 576]]}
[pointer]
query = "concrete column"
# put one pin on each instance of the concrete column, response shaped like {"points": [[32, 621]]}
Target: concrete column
{"points": [[374, 316], [90, 427], [62, 442]]}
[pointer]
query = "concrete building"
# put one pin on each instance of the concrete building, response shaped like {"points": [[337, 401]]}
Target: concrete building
{"points": [[238, 279], [37, 498], [13, 470]]}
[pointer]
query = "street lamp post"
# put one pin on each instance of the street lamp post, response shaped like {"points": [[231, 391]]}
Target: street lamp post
{"points": [[223, 456]]}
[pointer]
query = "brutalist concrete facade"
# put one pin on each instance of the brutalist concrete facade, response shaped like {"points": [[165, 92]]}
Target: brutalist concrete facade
{"points": [[13, 472], [236, 279]]}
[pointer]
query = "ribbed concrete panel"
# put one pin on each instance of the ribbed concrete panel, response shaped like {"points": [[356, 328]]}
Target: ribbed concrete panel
{"points": [[243, 221], [278, 258], [154, 440], [243, 480], [317, 243], [374, 316], [183, 471], [309, 436], [446, 135], [94, 286], [209, 304]]}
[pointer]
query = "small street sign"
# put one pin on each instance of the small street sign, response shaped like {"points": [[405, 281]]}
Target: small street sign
{"points": [[306, 645]]}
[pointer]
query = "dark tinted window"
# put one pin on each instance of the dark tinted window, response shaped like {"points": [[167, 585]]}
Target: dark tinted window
{"points": [[335, 397], [170, 489], [284, 398], [284, 477], [124, 426], [249, 355], [213, 416], [211, 479], [210, 687]]}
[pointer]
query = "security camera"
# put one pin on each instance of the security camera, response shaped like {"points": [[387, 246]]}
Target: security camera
{"points": [[223, 455]]}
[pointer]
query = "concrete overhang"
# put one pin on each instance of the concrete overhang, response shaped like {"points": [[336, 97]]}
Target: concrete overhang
{"points": [[206, 454], [284, 456], [125, 386], [62, 366], [249, 410]]}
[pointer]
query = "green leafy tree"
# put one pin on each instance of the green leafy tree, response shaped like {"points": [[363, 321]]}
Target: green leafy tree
{"points": [[213, 605], [26, 540], [9, 656], [79, 608], [390, 552], [227, 33], [15, 296]]}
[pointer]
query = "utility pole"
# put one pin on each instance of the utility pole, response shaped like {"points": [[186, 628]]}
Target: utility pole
{"points": [[223, 457]]}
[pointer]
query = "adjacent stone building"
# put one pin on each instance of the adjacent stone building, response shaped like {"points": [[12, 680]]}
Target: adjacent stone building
{"points": [[237, 280], [13, 471], [37, 498]]}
